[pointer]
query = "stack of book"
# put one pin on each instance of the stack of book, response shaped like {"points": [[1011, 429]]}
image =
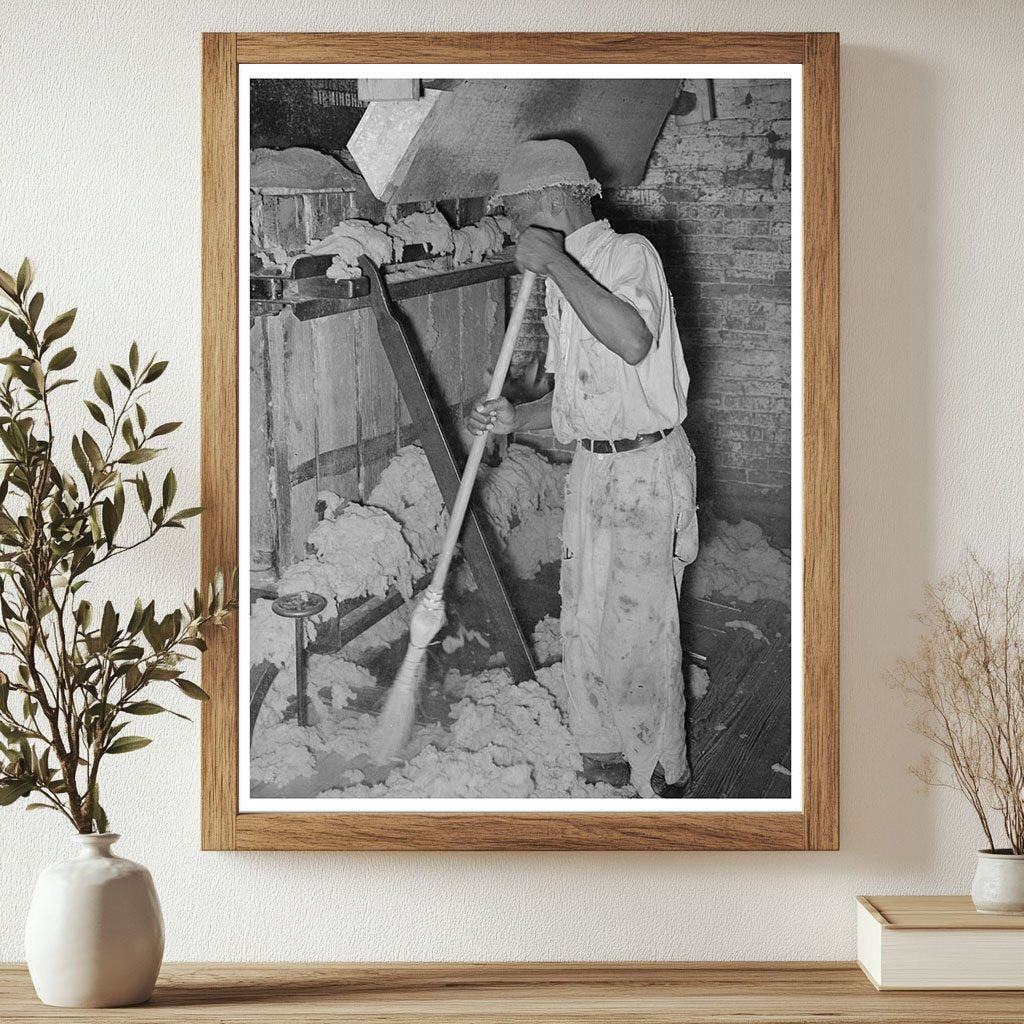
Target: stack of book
{"points": [[938, 942]]}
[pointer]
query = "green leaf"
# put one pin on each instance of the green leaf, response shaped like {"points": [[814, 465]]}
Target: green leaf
{"points": [[130, 653], [34, 308], [191, 690], [139, 455], [170, 488], [144, 707], [7, 283], [154, 372], [108, 626], [63, 359], [92, 449], [140, 415], [12, 733], [165, 428], [125, 744], [171, 674], [96, 412], [60, 326], [83, 613], [20, 329], [41, 807], [26, 274], [99, 816], [128, 433], [119, 499], [121, 374], [94, 526], [11, 791], [133, 358], [137, 617], [96, 711], [145, 498], [102, 388], [185, 513], [17, 359], [79, 456], [109, 521]]}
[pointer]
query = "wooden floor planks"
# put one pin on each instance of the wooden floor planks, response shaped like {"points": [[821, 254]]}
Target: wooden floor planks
{"points": [[741, 727]]}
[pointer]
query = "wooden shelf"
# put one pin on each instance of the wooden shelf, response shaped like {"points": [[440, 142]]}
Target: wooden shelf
{"points": [[314, 306], [793, 993]]}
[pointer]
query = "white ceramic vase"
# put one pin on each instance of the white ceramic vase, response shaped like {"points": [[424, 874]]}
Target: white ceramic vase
{"points": [[999, 882], [95, 933]]}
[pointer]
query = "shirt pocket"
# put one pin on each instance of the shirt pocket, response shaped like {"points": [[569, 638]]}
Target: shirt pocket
{"points": [[596, 373]]}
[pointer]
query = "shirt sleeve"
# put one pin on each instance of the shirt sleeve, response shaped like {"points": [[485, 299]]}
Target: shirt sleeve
{"points": [[640, 281], [552, 325]]}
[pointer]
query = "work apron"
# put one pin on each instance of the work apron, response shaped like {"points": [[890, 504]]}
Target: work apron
{"points": [[630, 529]]}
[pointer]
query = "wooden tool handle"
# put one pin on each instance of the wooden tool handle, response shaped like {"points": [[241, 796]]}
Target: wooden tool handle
{"points": [[476, 451]]}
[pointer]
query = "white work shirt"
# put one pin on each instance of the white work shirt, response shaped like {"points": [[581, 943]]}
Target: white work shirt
{"points": [[598, 394]]}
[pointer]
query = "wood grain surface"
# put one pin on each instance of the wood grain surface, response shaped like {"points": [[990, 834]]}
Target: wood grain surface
{"points": [[613, 993], [521, 47], [821, 441], [817, 827], [943, 913], [219, 429]]}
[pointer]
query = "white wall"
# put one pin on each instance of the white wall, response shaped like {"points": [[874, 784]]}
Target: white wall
{"points": [[99, 182]]}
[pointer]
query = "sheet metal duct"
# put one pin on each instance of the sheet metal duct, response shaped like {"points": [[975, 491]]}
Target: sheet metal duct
{"points": [[452, 142]]}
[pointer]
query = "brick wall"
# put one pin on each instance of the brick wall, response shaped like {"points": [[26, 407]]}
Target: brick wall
{"points": [[533, 338], [715, 201]]}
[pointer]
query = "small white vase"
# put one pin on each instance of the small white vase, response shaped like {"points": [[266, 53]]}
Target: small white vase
{"points": [[95, 933], [999, 882]]}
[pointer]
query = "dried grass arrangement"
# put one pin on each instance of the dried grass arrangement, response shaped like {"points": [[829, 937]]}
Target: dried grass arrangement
{"points": [[967, 679]]}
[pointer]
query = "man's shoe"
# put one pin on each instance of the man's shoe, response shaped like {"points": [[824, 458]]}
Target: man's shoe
{"points": [[670, 790], [612, 769]]}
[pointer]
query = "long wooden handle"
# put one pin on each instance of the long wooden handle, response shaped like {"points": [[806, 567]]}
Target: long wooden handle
{"points": [[476, 451]]}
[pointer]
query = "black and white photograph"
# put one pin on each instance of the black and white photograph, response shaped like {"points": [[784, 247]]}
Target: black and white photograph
{"points": [[519, 458]]}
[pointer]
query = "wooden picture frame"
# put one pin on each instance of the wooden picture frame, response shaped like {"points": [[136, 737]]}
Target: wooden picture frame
{"points": [[816, 826]]}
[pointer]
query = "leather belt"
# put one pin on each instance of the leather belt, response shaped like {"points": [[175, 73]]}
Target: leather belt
{"points": [[626, 444]]}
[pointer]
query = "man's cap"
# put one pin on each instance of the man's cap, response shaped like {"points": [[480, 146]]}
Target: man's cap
{"points": [[540, 164]]}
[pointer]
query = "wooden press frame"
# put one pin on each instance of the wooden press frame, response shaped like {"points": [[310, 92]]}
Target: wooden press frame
{"points": [[817, 826]]}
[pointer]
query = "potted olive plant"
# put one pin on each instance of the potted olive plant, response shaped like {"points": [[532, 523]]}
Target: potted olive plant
{"points": [[80, 672], [967, 680]]}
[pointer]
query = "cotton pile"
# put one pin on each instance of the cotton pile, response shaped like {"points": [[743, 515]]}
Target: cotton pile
{"points": [[475, 241], [350, 240], [408, 491], [360, 552], [735, 560], [430, 230], [547, 641]]}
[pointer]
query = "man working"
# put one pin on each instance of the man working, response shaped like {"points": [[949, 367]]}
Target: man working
{"points": [[630, 523]]}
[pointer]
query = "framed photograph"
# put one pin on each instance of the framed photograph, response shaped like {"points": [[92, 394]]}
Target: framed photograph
{"points": [[592, 279]]}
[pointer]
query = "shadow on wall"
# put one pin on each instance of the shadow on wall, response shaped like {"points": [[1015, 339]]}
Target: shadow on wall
{"points": [[716, 203], [888, 270]]}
